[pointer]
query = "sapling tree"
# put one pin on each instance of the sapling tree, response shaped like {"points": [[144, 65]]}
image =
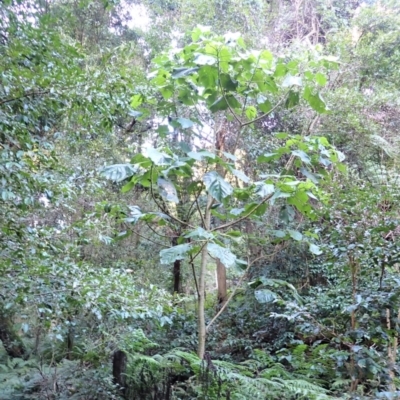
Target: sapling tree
{"points": [[215, 84]]}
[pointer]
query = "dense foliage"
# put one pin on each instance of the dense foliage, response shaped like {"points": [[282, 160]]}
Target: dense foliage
{"points": [[199, 199]]}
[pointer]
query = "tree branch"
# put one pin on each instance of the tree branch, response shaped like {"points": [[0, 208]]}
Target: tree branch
{"points": [[232, 294], [23, 96], [228, 224], [267, 113]]}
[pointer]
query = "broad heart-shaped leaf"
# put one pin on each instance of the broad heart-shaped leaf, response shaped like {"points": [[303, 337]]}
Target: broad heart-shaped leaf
{"points": [[179, 252], [199, 155], [228, 83], [292, 100], [182, 72], [296, 235], [279, 283], [119, 172], [264, 189], [265, 296], [308, 174], [237, 211], [315, 249], [241, 175], [222, 253], [321, 79], [199, 233], [204, 59], [158, 157], [317, 103], [291, 81], [221, 103], [302, 155], [134, 215], [216, 186], [287, 214], [167, 190]]}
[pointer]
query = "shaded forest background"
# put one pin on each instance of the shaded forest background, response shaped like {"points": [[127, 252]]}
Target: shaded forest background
{"points": [[199, 199]]}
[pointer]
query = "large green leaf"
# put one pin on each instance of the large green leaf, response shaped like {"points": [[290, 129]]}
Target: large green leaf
{"points": [[224, 103], [292, 81], [222, 253], [228, 83], [241, 175], [278, 284], [315, 249], [296, 235], [265, 296], [293, 99], [317, 103], [199, 155], [134, 215], [302, 155], [207, 76], [158, 157], [182, 72], [217, 186], [179, 252], [167, 190], [199, 234], [119, 172], [204, 59], [264, 189]]}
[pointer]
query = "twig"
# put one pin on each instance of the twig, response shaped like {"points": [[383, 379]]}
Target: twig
{"points": [[191, 262], [224, 96], [227, 225], [146, 238], [267, 113], [159, 234], [232, 294], [163, 208], [199, 210], [23, 96]]}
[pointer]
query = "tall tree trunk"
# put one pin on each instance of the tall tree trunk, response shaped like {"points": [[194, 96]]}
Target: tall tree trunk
{"points": [[221, 282], [201, 320], [176, 272], [177, 276], [221, 269], [119, 370], [12, 343]]}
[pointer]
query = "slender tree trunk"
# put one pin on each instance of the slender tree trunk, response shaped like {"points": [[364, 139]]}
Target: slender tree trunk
{"points": [[12, 343], [202, 285], [221, 269], [177, 276], [221, 282], [119, 370], [176, 272], [392, 353]]}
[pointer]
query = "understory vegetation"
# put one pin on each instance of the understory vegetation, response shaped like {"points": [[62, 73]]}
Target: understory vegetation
{"points": [[199, 199]]}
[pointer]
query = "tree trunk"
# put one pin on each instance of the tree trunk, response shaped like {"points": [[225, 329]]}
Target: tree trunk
{"points": [[176, 272], [221, 270], [12, 343], [119, 370], [177, 276], [221, 283], [202, 285]]}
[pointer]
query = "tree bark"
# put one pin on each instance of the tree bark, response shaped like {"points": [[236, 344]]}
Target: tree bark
{"points": [[202, 285], [176, 272], [221, 282], [221, 269], [119, 370], [12, 343]]}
